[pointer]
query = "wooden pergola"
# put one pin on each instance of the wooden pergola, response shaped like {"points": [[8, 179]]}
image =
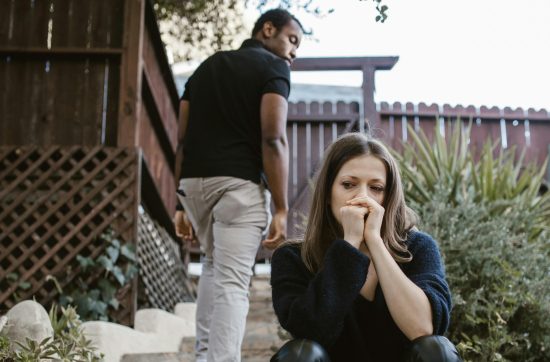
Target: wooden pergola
{"points": [[368, 65]]}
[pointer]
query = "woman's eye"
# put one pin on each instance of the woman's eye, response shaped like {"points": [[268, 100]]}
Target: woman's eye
{"points": [[377, 188], [347, 185]]}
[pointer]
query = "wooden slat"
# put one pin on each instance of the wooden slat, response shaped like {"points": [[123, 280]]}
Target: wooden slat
{"points": [[159, 91], [20, 23], [70, 103], [6, 18], [163, 176], [41, 12]]}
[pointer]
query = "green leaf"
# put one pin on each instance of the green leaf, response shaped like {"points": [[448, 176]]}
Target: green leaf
{"points": [[114, 303], [115, 243], [128, 251], [119, 275], [113, 253], [106, 262], [24, 285], [85, 262], [131, 271], [12, 276], [108, 290]]}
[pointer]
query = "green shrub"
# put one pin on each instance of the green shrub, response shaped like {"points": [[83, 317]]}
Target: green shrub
{"points": [[94, 291], [67, 345], [492, 227]]}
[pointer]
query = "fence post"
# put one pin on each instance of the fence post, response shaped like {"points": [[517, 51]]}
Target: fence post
{"points": [[371, 118], [131, 73]]}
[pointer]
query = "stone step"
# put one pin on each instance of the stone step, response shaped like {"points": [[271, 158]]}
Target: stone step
{"points": [[185, 357], [158, 357]]}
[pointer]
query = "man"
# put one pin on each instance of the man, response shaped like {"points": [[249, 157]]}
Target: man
{"points": [[231, 141]]}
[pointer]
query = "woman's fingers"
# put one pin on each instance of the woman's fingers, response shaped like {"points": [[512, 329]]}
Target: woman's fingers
{"points": [[362, 200], [352, 219]]}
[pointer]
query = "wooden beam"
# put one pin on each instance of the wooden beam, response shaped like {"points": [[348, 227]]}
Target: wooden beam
{"points": [[368, 65], [343, 63], [61, 51], [370, 114], [131, 73]]}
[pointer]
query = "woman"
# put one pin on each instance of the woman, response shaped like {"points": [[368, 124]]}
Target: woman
{"points": [[364, 285]]}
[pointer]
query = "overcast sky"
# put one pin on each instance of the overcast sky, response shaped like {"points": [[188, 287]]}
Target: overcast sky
{"points": [[478, 52]]}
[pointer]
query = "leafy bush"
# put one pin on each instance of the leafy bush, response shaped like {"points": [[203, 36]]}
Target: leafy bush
{"points": [[492, 227], [94, 298], [67, 345]]}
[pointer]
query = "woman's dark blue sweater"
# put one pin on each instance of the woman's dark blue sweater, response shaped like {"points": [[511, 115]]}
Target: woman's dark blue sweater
{"points": [[327, 307]]}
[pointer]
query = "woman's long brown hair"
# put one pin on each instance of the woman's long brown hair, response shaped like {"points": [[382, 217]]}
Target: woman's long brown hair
{"points": [[322, 228]]}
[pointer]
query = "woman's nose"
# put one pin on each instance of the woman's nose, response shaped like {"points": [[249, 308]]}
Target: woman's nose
{"points": [[362, 192]]}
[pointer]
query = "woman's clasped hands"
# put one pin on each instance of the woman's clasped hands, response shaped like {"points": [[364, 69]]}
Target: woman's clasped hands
{"points": [[362, 220]]}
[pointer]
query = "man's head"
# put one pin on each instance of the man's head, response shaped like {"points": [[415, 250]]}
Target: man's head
{"points": [[280, 32]]}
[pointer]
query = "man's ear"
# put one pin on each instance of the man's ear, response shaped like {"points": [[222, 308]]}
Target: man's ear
{"points": [[268, 30]]}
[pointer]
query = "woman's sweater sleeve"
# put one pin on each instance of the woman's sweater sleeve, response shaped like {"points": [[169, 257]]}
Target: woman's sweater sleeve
{"points": [[427, 272], [315, 307]]}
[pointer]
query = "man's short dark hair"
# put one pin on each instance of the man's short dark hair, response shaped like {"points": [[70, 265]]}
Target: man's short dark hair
{"points": [[278, 17]]}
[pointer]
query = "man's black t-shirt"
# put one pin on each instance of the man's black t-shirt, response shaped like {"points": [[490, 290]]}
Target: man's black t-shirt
{"points": [[223, 135]]}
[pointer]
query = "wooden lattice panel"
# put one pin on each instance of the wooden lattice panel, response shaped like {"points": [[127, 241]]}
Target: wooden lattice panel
{"points": [[161, 269], [54, 203]]}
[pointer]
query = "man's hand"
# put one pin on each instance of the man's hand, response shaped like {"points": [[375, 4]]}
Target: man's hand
{"points": [[277, 231], [184, 229]]}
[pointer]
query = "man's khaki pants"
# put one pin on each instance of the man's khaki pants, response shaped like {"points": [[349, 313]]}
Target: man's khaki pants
{"points": [[228, 215]]}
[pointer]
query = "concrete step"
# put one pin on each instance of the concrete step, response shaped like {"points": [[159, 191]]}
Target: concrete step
{"points": [[158, 357]]}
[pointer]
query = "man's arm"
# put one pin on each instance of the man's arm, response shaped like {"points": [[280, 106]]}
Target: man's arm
{"points": [[184, 229], [273, 113]]}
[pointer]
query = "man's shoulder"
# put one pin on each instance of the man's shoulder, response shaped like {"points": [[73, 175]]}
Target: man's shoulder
{"points": [[257, 54]]}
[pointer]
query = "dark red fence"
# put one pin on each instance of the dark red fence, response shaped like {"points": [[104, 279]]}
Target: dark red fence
{"points": [[527, 130], [313, 126]]}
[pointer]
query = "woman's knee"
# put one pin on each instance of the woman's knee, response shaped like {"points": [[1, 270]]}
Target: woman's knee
{"points": [[301, 350], [432, 349]]}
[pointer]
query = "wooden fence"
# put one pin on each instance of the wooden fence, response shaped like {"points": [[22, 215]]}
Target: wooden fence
{"points": [[310, 129], [85, 86], [88, 72], [527, 130], [313, 126]]}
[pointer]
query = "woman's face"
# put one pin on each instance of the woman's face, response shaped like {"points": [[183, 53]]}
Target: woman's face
{"points": [[361, 176]]}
